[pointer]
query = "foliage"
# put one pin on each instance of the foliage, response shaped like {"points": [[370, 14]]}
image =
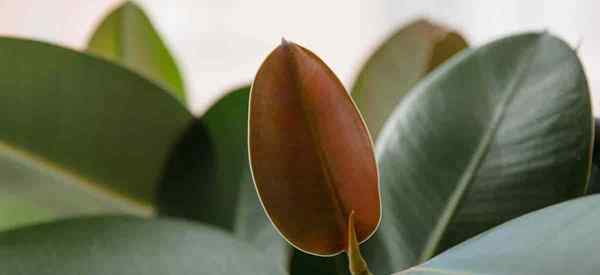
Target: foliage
{"points": [[103, 170]]}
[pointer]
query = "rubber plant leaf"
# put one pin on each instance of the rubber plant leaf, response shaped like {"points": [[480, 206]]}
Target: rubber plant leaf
{"points": [[398, 64], [499, 131], [311, 154], [126, 36]]}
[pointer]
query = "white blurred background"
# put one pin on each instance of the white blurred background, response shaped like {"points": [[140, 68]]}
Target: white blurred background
{"points": [[219, 44]]}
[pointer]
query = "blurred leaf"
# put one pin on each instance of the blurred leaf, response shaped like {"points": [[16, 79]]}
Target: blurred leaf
{"points": [[397, 65], [254, 226], [594, 184], [189, 169], [499, 132], [127, 36], [123, 245], [32, 194], [556, 240], [311, 154], [80, 128], [15, 211], [207, 177], [306, 264]]}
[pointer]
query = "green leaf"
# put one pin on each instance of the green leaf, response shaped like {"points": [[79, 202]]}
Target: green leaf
{"points": [[553, 241], [226, 122], [124, 245], [498, 132], [77, 127], [397, 65], [15, 211], [207, 177], [303, 264], [127, 36]]}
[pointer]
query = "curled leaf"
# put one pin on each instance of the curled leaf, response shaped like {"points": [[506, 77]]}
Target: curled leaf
{"points": [[311, 153], [398, 65]]}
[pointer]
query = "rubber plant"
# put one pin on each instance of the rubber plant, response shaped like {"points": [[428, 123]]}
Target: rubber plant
{"points": [[104, 170], [105, 131]]}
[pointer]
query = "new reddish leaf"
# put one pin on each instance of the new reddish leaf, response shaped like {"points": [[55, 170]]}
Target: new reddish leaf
{"points": [[311, 153]]}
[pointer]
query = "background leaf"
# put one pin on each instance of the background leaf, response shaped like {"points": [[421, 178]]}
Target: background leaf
{"points": [[14, 212], [207, 177], [32, 194], [127, 36], [594, 184], [397, 65], [554, 241], [500, 131], [302, 264], [127, 246], [74, 125]]}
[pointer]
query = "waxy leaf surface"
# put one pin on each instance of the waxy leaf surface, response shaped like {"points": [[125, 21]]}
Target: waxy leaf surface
{"points": [[498, 132], [557, 240], [311, 154]]}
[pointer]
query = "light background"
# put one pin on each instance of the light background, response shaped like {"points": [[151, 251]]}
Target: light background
{"points": [[219, 44]]}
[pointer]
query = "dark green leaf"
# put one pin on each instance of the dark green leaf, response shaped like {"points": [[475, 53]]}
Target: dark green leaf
{"points": [[127, 246], [207, 177], [127, 36], [305, 264], [498, 132], [557, 240], [397, 65], [75, 124]]}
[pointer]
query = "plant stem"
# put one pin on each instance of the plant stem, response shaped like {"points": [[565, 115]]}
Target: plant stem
{"points": [[356, 263]]}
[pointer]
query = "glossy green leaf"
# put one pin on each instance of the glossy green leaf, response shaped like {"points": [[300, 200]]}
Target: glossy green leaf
{"points": [[556, 240], [127, 36], [76, 124], [397, 65], [207, 178], [128, 246], [498, 132], [311, 153]]}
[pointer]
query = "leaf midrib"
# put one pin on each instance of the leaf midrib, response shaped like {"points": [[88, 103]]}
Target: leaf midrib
{"points": [[478, 157], [133, 206], [323, 163]]}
